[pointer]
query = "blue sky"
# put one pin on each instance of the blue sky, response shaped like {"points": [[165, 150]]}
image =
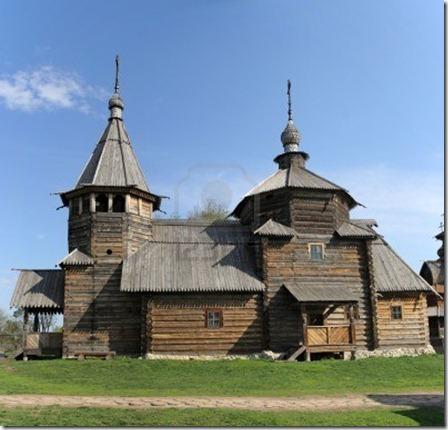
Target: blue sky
{"points": [[204, 86]]}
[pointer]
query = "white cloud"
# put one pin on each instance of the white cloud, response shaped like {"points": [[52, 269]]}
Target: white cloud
{"points": [[47, 88]]}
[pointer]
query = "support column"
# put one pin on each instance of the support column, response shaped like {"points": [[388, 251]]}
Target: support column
{"points": [[305, 331], [352, 324], [127, 203], [36, 323], [110, 202], [25, 324], [92, 203]]}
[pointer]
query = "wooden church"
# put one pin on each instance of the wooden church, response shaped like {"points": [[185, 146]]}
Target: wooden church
{"points": [[289, 271]]}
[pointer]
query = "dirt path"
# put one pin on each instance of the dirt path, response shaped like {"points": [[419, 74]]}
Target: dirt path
{"points": [[251, 403]]}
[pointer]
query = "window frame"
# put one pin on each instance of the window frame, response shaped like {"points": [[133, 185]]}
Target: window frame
{"points": [[321, 245], [221, 319], [392, 306]]}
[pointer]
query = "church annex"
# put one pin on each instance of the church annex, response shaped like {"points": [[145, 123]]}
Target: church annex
{"points": [[290, 272]]}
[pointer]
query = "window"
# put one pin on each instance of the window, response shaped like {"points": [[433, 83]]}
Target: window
{"points": [[316, 251], [213, 319], [118, 204], [396, 313], [102, 203]]}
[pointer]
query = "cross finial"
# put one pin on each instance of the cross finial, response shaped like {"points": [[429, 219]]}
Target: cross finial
{"points": [[117, 71], [289, 101]]}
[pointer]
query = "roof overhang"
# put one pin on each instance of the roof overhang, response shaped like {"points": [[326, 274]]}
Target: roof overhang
{"points": [[321, 294], [134, 190]]}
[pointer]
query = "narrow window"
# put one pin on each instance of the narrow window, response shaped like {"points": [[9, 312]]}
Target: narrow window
{"points": [[316, 251], [396, 312], [118, 204], [101, 203], [213, 319]]}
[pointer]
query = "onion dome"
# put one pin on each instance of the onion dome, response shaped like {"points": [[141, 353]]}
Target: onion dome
{"points": [[290, 137]]}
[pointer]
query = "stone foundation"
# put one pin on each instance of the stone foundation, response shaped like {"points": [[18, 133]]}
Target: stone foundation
{"points": [[396, 352], [265, 355]]}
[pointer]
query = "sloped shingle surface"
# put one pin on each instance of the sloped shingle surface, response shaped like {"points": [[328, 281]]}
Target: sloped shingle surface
{"points": [[39, 289], [77, 258], [113, 162], [273, 228], [321, 293], [391, 273], [189, 256]]}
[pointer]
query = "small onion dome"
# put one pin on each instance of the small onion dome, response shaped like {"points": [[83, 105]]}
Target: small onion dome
{"points": [[290, 137], [116, 101]]}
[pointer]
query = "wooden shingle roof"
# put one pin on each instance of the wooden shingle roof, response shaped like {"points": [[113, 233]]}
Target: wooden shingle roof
{"points": [[275, 229], [39, 289], [320, 293], [391, 273], [349, 229], [113, 162], [189, 256], [293, 177], [76, 258]]}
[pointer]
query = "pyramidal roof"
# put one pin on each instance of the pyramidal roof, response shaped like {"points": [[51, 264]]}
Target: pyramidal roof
{"points": [[113, 162]]}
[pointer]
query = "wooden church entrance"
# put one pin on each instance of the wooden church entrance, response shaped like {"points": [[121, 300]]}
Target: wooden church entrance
{"points": [[316, 305]]}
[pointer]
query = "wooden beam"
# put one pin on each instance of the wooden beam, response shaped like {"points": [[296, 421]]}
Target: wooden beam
{"points": [[352, 324], [92, 203], [110, 202]]}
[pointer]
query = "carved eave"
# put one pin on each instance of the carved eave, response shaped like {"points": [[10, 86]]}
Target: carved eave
{"points": [[66, 196]]}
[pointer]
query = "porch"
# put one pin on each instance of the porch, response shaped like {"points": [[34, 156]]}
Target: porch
{"points": [[39, 294], [316, 305]]}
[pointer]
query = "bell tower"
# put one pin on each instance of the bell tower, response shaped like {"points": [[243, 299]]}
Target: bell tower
{"points": [[110, 212]]}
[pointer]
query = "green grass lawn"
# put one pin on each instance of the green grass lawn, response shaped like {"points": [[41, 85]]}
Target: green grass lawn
{"points": [[88, 417], [132, 377]]}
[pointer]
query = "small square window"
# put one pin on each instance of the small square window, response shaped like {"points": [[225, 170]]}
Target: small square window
{"points": [[316, 251], [213, 319], [396, 313]]}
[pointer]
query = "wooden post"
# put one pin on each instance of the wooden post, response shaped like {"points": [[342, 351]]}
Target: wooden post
{"points": [[92, 203], [36, 323], [110, 202], [305, 331], [352, 325], [127, 203], [25, 322]]}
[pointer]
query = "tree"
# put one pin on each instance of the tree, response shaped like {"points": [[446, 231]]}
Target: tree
{"points": [[11, 331], [210, 210]]}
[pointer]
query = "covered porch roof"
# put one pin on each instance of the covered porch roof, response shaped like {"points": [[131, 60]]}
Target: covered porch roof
{"points": [[39, 290], [304, 293]]}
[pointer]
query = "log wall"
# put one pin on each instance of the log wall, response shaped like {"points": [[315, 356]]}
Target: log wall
{"points": [[317, 212], [98, 317], [412, 330], [345, 264], [176, 324]]}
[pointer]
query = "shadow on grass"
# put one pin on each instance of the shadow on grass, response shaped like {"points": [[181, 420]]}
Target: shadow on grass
{"points": [[428, 417], [414, 400]]}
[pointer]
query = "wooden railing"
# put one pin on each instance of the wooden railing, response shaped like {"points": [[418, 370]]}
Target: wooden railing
{"points": [[317, 335]]}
